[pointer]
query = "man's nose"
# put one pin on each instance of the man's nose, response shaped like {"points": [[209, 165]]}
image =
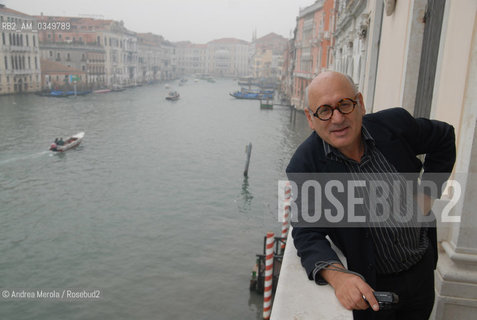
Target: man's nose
{"points": [[337, 117]]}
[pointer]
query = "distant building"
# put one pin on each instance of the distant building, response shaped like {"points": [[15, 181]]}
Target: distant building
{"points": [[191, 58], [111, 37], [87, 58], [19, 53], [150, 57], [55, 75], [228, 57], [288, 66], [267, 60], [313, 45]]}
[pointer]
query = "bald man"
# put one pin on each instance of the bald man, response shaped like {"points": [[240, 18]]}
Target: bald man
{"points": [[386, 258]]}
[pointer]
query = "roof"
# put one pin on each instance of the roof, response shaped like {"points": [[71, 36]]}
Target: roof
{"points": [[271, 37], [4, 9], [228, 41], [48, 66]]}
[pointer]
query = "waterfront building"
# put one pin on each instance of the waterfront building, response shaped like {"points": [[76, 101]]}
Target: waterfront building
{"points": [[19, 53], [191, 58], [57, 76], [286, 79], [110, 37], [313, 45], [267, 60], [169, 61], [228, 57], [150, 57], [87, 58]]}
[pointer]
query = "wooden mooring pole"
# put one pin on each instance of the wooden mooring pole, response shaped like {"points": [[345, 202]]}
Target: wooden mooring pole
{"points": [[248, 151]]}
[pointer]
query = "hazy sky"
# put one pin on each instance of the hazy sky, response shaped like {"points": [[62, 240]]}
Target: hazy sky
{"points": [[196, 20]]}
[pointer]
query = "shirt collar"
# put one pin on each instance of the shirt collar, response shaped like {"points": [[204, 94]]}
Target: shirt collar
{"points": [[365, 135]]}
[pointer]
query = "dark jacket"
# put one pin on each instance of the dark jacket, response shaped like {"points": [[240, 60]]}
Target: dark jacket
{"points": [[400, 138]]}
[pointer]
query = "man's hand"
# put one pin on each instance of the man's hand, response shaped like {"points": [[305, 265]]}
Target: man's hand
{"points": [[350, 290]]}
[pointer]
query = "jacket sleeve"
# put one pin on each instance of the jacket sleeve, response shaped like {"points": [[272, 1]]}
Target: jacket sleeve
{"points": [[310, 242], [313, 247], [434, 139]]}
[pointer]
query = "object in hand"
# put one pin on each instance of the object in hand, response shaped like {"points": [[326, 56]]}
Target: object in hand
{"points": [[386, 300]]}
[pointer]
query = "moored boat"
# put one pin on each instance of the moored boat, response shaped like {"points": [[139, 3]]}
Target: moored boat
{"points": [[251, 95], [69, 143], [102, 91]]}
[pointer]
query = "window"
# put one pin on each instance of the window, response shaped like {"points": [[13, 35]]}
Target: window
{"points": [[6, 63], [27, 42], [34, 41], [3, 38], [51, 53], [58, 56], [36, 63]]}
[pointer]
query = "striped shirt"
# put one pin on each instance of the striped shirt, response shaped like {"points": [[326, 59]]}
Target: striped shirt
{"points": [[397, 247]]}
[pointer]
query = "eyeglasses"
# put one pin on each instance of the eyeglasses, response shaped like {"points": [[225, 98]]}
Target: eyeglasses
{"points": [[344, 106]]}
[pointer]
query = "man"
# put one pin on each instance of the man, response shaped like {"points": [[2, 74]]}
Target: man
{"points": [[346, 140]]}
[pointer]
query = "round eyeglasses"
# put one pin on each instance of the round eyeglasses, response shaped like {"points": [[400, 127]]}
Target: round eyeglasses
{"points": [[344, 106]]}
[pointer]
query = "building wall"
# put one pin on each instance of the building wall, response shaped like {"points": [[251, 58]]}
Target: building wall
{"points": [[90, 60], [351, 45], [453, 67], [454, 100], [19, 56], [392, 57]]}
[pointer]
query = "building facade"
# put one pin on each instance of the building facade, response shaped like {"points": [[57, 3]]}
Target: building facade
{"points": [[228, 57], [19, 53], [350, 38], [113, 47], [268, 57], [191, 58], [313, 45], [86, 58]]}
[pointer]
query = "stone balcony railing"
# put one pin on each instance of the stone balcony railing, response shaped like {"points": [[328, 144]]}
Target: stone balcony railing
{"points": [[299, 298]]}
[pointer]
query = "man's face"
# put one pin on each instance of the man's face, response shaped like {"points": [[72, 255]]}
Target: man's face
{"points": [[342, 131]]}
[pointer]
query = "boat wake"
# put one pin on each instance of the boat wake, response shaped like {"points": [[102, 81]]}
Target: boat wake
{"points": [[24, 157]]}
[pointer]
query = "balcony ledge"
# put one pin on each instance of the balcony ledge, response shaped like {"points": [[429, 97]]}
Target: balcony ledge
{"points": [[299, 298]]}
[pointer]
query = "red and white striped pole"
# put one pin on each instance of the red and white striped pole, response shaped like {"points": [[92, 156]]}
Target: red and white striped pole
{"points": [[267, 292], [286, 215]]}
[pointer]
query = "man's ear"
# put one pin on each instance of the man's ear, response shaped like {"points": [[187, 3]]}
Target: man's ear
{"points": [[361, 103], [309, 118]]}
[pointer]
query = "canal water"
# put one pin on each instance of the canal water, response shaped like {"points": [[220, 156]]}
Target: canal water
{"points": [[152, 209]]}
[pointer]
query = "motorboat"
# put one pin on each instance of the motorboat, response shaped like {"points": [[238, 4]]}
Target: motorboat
{"points": [[69, 143], [173, 96]]}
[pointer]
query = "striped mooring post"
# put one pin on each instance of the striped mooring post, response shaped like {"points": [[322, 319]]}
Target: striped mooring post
{"points": [[286, 215], [267, 293]]}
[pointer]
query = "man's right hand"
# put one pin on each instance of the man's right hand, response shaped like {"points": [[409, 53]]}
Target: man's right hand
{"points": [[350, 290]]}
